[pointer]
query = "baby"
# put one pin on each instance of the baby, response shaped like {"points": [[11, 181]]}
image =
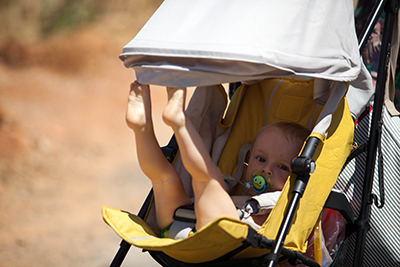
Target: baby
{"points": [[273, 148]]}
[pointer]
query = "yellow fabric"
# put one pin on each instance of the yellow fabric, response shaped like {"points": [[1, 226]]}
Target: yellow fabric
{"points": [[318, 242], [318, 135], [225, 234], [214, 240], [233, 108]]}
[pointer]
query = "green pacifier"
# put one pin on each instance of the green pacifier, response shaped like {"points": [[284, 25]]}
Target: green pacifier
{"points": [[260, 181]]}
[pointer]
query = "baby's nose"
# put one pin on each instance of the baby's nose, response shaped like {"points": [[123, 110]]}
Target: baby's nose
{"points": [[267, 171]]}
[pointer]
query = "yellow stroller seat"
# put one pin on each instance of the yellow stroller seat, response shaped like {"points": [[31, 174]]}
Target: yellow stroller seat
{"points": [[253, 106]]}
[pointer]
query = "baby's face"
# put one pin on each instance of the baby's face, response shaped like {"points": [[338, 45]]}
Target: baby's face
{"points": [[272, 154]]}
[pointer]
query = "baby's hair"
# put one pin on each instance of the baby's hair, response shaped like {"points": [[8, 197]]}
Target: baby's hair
{"points": [[293, 132]]}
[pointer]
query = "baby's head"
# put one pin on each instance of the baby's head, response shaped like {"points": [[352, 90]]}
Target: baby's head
{"points": [[274, 146]]}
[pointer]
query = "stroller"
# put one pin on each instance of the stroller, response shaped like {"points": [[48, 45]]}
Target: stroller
{"points": [[317, 102]]}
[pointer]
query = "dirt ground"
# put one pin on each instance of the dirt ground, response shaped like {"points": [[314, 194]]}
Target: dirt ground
{"points": [[65, 150]]}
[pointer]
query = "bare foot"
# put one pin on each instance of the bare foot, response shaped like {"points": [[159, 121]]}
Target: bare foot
{"points": [[138, 113], [174, 114]]}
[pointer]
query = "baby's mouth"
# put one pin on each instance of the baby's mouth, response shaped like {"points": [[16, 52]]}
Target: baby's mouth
{"points": [[261, 182]]}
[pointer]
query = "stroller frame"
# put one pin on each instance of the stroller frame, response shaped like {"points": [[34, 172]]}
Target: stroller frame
{"points": [[391, 8], [301, 165]]}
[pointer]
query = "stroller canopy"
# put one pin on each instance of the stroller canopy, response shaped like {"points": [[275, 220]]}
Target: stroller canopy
{"points": [[196, 43]]}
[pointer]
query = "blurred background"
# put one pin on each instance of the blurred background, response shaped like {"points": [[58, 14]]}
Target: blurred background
{"points": [[65, 150]]}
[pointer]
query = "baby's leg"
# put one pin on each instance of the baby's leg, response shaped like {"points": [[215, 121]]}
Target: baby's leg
{"points": [[169, 193], [211, 198]]}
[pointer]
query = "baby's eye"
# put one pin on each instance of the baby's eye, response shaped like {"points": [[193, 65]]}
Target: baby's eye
{"points": [[260, 159], [283, 167]]}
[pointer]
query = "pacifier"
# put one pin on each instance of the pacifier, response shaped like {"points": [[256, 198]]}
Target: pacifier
{"points": [[260, 182]]}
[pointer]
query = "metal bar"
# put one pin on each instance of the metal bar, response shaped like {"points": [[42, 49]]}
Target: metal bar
{"points": [[125, 246], [121, 254], [297, 193], [375, 135], [273, 256], [370, 24]]}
